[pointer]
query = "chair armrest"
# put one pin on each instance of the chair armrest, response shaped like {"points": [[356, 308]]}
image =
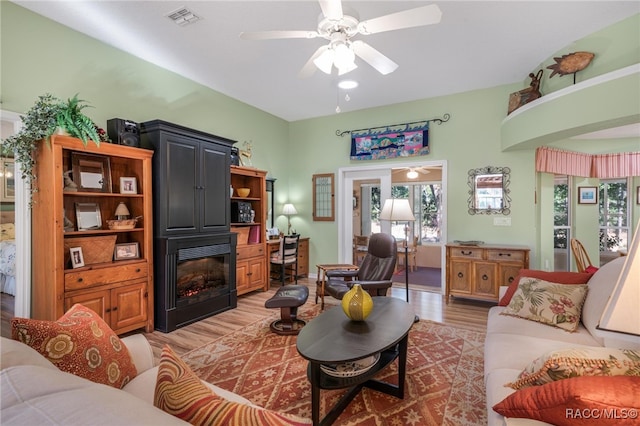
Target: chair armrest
{"points": [[140, 351], [344, 274], [373, 284]]}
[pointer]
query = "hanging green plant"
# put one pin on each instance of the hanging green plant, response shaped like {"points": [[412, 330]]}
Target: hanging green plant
{"points": [[40, 122]]}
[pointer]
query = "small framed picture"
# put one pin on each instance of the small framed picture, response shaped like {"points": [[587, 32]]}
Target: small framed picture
{"points": [[126, 251], [587, 195], [128, 185], [637, 194], [77, 259]]}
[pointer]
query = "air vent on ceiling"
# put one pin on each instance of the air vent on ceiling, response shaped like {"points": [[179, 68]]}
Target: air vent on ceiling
{"points": [[183, 16]]}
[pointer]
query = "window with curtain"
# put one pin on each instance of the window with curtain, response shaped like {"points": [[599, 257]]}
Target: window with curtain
{"points": [[614, 218], [561, 223]]}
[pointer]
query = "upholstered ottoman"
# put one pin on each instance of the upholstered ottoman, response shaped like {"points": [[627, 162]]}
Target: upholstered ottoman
{"points": [[288, 298]]}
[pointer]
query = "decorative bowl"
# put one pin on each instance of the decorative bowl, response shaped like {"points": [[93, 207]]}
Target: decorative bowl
{"points": [[122, 224], [243, 192]]}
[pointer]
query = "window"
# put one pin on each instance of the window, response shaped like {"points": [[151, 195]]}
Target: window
{"points": [[614, 218], [425, 200], [561, 223]]}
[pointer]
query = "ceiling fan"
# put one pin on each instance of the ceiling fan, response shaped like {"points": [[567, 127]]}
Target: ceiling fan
{"points": [[339, 28], [414, 172]]}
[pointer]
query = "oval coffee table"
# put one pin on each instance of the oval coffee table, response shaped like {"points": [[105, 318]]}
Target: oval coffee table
{"points": [[332, 338]]}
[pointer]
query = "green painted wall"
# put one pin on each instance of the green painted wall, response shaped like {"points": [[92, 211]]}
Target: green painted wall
{"points": [[39, 55]]}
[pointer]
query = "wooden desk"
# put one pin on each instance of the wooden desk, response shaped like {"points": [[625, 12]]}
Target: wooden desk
{"points": [[303, 255], [322, 276]]}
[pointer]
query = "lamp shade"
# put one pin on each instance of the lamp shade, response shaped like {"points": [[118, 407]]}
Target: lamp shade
{"points": [[122, 212], [397, 209], [289, 209]]}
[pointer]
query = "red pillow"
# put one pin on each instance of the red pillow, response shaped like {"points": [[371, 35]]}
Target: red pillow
{"points": [[586, 400], [552, 277], [591, 269]]}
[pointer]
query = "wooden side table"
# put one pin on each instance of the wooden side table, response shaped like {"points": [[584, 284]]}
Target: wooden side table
{"points": [[322, 276]]}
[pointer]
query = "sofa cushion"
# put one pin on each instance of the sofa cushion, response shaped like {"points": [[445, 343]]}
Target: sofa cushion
{"points": [[577, 401], [81, 343], [554, 277], [549, 303], [34, 395], [576, 362], [181, 393], [17, 353]]}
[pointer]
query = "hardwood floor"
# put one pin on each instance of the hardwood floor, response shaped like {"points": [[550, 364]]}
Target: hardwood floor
{"points": [[427, 305]]}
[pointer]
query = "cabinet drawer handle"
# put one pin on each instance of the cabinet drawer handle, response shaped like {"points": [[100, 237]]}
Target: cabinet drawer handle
{"points": [[504, 254], [460, 275], [468, 253], [146, 294], [115, 308], [107, 310], [80, 279], [485, 277], [510, 280], [249, 274], [137, 269]]}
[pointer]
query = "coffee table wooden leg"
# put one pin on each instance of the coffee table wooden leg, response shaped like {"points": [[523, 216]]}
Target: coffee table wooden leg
{"points": [[315, 393]]}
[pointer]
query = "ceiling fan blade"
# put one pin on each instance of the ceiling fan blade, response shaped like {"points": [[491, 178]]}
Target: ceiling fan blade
{"points": [[310, 68], [374, 58], [331, 9], [269, 35], [425, 15]]}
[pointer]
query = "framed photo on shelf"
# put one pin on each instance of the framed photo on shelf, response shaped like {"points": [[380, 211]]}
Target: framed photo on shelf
{"points": [[126, 251], [587, 195], [92, 173], [77, 259], [128, 185], [88, 216]]}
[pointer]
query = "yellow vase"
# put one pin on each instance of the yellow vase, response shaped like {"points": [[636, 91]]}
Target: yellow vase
{"points": [[357, 304]]}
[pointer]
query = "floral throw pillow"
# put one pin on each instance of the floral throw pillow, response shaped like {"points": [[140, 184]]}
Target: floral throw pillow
{"points": [[578, 362], [180, 393], [557, 305], [80, 343]]}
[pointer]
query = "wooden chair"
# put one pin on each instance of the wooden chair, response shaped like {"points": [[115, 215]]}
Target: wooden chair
{"points": [[287, 258], [360, 248], [412, 252], [580, 255]]}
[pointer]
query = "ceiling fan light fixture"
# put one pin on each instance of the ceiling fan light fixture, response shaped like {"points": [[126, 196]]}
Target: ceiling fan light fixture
{"points": [[344, 56], [324, 62], [412, 174]]}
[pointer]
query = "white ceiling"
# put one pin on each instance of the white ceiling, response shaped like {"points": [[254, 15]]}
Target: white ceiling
{"points": [[478, 44]]}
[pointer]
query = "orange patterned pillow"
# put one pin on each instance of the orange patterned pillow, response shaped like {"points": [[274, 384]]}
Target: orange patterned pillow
{"points": [[180, 392], [80, 343], [588, 401]]}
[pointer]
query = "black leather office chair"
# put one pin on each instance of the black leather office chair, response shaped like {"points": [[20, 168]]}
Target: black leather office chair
{"points": [[375, 272]]}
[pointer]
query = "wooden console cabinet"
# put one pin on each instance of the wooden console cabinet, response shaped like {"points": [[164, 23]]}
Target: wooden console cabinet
{"points": [[477, 272], [120, 291], [251, 259]]}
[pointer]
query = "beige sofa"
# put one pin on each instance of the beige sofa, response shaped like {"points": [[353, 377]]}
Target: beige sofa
{"points": [[512, 343], [35, 392]]}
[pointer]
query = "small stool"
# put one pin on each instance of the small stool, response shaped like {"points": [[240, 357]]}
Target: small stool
{"points": [[288, 298]]}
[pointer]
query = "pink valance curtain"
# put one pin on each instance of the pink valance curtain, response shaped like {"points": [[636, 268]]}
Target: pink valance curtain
{"points": [[603, 166]]}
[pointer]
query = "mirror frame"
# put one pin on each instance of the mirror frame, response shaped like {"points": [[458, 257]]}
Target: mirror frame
{"points": [[506, 199]]}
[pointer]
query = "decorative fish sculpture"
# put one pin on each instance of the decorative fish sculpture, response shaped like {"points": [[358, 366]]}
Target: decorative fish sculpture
{"points": [[571, 63]]}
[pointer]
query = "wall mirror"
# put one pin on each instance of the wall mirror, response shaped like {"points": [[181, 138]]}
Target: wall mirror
{"points": [[489, 190]]}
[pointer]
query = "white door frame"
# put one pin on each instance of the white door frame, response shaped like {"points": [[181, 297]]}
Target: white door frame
{"points": [[22, 300], [346, 177]]}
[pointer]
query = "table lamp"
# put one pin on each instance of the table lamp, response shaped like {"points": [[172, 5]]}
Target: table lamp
{"points": [[288, 210], [399, 210], [122, 212]]}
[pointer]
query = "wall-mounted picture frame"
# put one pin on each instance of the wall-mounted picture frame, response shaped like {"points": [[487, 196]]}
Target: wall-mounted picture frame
{"points": [[587, 195], [88, 216], [638, 195], [77, 258], [7, 180], [92, 173], [126, 251], [128, 185]]}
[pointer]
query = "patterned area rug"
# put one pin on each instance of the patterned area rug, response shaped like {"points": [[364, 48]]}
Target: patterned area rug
{"points": [[444, 380]]}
